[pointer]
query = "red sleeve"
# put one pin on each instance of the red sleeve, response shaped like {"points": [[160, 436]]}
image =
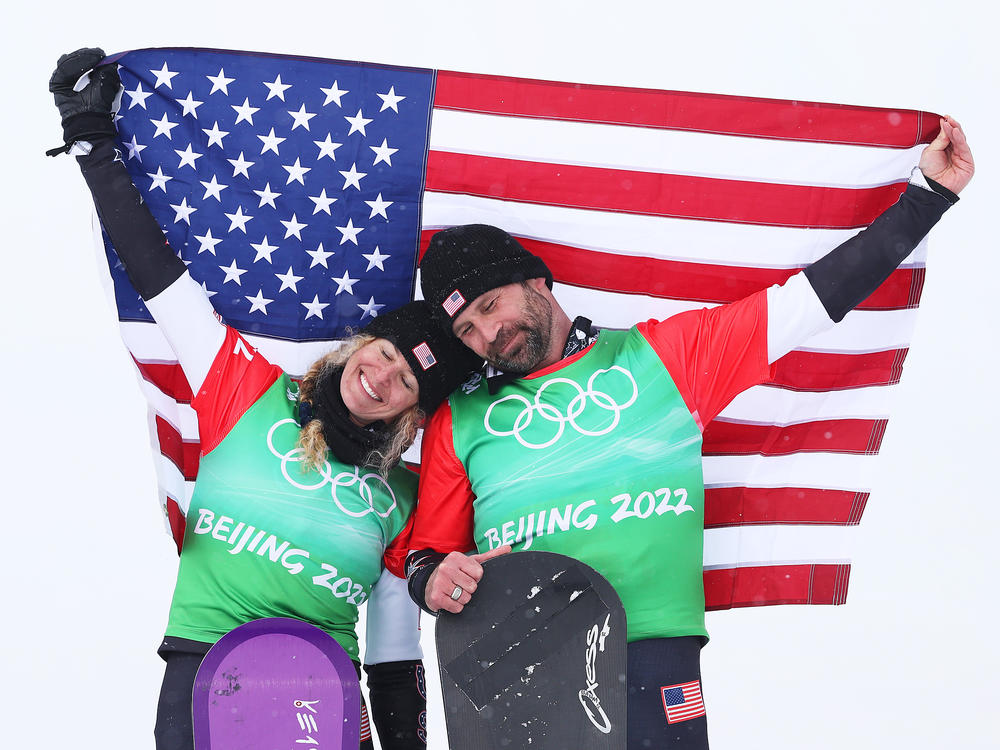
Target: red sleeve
{"points": [[395, 554], [238, 377], [713, 354], [443, 518]]}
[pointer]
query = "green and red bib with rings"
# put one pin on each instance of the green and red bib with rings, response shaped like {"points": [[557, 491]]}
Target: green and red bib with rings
{"points": [[599, 460], [311, 541]]}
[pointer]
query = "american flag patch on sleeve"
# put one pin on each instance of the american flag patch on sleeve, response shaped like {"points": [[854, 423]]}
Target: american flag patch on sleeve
{"points": [[424, 355], [683, 702], [453, 303]]}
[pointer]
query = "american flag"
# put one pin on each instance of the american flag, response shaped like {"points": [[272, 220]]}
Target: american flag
{"points": [[300, 191], [683, 702]]}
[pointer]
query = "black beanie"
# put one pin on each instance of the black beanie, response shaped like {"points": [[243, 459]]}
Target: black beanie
{"points": [[462, 262], [439, 361]]}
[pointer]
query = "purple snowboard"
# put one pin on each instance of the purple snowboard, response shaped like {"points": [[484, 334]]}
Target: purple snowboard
{"points": [[276, 682]]}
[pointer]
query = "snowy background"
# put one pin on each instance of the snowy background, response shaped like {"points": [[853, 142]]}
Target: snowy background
{"points": [[909, 661]]}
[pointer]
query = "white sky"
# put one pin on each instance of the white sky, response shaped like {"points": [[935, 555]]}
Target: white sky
{"points": [[909, 661]]}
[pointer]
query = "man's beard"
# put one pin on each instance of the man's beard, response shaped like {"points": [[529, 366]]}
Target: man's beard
{"points": [[536, 327]]}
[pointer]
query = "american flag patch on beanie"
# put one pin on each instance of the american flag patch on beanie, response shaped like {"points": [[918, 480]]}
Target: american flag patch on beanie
{"points": [[424, 355], [453, 303]]}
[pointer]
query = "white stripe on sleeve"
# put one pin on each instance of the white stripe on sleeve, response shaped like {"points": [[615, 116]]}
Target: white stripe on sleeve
{"points": [[188, 321]]}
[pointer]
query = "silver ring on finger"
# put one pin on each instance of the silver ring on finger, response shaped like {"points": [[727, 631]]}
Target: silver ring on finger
{"points": [[456, 593]]}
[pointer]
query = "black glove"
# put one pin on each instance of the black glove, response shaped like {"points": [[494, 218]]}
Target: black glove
{"points": [[86, 114]]}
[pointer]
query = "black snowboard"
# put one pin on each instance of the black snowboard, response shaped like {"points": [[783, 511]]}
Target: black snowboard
{"points": [[536, 660]]}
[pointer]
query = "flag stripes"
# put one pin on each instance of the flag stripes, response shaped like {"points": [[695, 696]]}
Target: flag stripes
{"points": [[656, 194], [756, 586], [680, 110], [697, 282], [736, 506]]}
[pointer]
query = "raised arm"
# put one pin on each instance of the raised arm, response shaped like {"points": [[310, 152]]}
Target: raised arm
{"points": [[174, 299], [836, 283]]}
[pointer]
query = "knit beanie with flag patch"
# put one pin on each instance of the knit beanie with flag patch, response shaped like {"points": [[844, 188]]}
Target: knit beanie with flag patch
{"points": [[462, 262], [439, 361]]}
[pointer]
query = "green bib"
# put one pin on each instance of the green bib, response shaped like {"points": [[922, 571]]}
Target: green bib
{"points": [[266, 539], [599, 460]]}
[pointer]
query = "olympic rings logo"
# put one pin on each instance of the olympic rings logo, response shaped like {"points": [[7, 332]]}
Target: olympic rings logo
{"points": [[343, 479], [580, 402]]}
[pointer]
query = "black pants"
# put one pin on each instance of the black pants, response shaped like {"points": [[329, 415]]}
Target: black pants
{"points": [[174, 729], [665, 708]]}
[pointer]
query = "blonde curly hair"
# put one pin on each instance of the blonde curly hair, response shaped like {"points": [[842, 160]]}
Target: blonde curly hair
{"points": [[311, 441]]}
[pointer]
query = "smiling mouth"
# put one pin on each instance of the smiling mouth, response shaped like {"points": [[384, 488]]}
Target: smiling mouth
{"points": [[368, 389], [507, 342]]}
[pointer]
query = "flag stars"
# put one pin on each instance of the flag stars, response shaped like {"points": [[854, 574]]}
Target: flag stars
{"points": [[163, 126], [215, 135], [327, 148], [188, 157], [353, 177], [207, 242], [258, 303], [264, 250], [375, 259], [241, 166], [314, 308], [301, 117], [293, 227], [220, 82], [270, 142], [164, 77], [276, 88], [238, 220], [370, 308], [296, 173], [383, 153], [244, 112], [190, 105], [319, 256], [232, 273], [349, 233], [378, 207], [159, 180], [134, 149], [182, 211], [138, 97], [390, 100], [333, 94], [322, 202], [213, 189], [344, 284], [358, 123], [267, 196], [288, 281]]}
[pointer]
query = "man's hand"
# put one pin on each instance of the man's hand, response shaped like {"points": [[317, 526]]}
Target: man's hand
{"points": [[86, 113], [948, 158], [457, 571]]}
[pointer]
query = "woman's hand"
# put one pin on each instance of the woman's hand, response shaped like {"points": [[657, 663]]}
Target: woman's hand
{"points": [[86, 110], [457, 574]]}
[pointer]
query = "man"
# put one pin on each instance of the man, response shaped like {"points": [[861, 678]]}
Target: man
{"points": [[589, 443]]}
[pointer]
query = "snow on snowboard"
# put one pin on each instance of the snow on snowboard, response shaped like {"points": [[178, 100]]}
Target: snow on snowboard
{"points": [[536, 659], [276, 682]]}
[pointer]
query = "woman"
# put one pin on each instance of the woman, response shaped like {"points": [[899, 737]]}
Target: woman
{"points": [[299, 489]]}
